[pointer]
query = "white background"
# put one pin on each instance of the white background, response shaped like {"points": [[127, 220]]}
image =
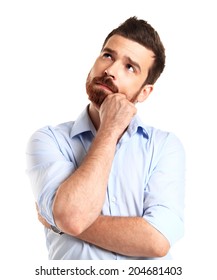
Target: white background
{"points": [[46, 51]]}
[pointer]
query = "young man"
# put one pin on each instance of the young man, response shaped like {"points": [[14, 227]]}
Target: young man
{"points": [[110, 186]]}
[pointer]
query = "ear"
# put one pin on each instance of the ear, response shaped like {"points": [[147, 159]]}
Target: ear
{"points": [[145, 92]]}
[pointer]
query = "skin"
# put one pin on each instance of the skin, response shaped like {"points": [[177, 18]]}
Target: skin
{"points": [[79, 200]]}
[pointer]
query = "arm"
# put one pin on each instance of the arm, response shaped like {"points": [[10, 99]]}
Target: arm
{"points": [[130, 236], [79, 199]]}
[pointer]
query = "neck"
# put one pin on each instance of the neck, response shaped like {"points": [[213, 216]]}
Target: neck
{"points": [[94, 116]]}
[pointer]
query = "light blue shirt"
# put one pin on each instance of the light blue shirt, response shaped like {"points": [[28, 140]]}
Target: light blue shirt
{"points": [[146, 180]]}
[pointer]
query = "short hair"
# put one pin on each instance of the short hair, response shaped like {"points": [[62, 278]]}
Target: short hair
{"points": [[142, 32]]}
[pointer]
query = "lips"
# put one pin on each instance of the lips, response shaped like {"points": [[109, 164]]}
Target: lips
{"points": [[105, 86], [99, 88], [106, 83]]}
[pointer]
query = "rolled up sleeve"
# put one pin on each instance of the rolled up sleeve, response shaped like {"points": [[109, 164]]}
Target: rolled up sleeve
{"points": [[164, 192], [47, 168]]}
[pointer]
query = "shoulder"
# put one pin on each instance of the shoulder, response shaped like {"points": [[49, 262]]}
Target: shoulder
{"points": [[162, 140], [51, 135], [155, 136], [159, 135]]}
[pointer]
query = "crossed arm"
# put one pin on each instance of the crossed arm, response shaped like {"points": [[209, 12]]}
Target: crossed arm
{"points": [[129, 236]]}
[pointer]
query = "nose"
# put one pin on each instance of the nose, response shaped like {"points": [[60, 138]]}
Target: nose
{"points": [[112, 70], [107, 73]]}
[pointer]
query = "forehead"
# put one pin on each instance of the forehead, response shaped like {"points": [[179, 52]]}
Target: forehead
{"points": [[124, 47]]}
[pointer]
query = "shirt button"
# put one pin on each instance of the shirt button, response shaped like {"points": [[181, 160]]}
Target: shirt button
{"points": [[113, 199]]}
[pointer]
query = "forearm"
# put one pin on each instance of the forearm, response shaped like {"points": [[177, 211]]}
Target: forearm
{"points": [[79, 200], [130, 236]]}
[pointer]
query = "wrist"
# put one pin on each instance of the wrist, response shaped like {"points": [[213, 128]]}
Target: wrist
{"points": [[109, 135], [56, 230]]}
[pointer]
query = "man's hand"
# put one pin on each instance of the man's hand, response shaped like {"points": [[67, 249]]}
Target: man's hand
{"points": [[115, 113], [41, 219]]}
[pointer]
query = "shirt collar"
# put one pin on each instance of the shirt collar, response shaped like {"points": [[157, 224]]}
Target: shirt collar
{"points": [[136, 125], [84, 124]]}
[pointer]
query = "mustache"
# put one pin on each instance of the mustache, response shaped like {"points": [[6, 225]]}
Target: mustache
{"points": [[107, 81]]}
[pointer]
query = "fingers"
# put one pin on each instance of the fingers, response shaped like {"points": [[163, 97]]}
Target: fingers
{"points": [[41, 219], [116, 112]]}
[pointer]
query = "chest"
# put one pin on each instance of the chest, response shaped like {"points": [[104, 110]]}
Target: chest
{"points": [[127, 181]]}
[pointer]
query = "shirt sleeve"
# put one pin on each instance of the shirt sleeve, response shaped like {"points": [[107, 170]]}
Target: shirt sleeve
{"points": [[164, 192], [47, 167]]}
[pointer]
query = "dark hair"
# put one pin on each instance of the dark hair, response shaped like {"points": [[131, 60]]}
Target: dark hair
{"points": [[143, 33]]}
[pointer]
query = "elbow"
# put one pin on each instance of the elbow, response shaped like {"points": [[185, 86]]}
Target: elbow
{"points": [[68, 222], [161, 247], [69, 227], [74, 229], [158, 245], [162, 251]]}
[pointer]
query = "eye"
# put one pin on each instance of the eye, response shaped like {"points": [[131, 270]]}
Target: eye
{"points": [[130, 68], [107, 55]]}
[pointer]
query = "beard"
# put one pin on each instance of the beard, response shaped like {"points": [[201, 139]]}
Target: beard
{"points": [[98, 95]]}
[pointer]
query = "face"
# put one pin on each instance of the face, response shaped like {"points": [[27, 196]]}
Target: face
{"points": [[122, 67]]}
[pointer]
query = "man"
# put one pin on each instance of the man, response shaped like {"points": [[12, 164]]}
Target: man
{"points": [[109, 186]]}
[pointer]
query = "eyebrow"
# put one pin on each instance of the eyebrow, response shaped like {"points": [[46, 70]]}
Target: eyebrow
{"points": [[134, 63]]}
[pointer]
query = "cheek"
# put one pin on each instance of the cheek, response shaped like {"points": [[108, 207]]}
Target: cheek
{"points": [[131, 88], [97, 69], [128, 85]]}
